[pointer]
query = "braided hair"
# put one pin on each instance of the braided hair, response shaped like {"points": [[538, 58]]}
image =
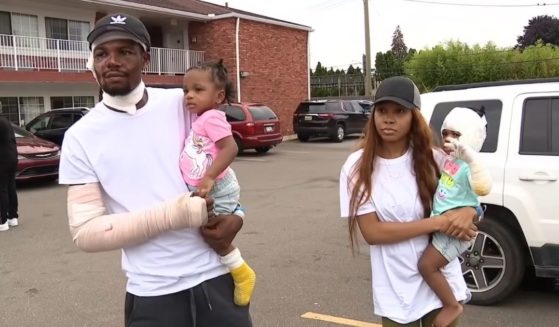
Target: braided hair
{"points": [[218, 72]]}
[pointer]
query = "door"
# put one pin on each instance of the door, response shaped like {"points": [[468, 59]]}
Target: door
{"points": [[532, 170]]}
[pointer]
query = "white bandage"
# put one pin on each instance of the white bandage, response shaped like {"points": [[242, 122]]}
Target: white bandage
{"points": [[480, 178], [93, 230]]}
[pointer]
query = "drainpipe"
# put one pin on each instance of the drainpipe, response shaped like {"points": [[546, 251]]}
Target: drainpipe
{"points": [[309, 65], [237, 58]]}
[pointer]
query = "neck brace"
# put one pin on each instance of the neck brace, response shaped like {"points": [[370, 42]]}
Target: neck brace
{"points": [[126, 103]]}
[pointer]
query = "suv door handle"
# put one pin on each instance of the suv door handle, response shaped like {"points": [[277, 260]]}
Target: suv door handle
{"points": [[538, 177]]}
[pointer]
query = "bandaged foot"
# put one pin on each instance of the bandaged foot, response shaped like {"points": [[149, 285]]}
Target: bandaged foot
{"points": [[243, 277]]}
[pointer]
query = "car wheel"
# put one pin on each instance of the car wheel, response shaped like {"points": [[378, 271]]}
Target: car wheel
{"points": [[303, 137], [263, 149], [493, 266], [239, 144], [339, 134]]}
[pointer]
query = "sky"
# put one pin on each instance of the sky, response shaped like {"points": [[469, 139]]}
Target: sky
{"points": [[338, 37]]}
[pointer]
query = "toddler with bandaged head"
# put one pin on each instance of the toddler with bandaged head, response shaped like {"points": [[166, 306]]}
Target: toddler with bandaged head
{"points": [[464, 177]]}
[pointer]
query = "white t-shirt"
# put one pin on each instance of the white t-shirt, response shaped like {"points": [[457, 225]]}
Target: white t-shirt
{"points": [[399, 291], [135, 158]]}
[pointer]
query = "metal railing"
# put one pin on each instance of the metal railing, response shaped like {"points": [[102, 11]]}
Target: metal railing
{"points": [[37, 53]]}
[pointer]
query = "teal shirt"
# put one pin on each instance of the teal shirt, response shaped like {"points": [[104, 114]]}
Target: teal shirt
{"points": [[454, 190]]}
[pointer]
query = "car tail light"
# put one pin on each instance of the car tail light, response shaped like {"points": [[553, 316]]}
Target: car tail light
{"points": [[326, 115], [250, 128]]}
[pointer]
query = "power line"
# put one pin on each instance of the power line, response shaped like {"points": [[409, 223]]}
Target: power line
{"points": [[543, 4]]}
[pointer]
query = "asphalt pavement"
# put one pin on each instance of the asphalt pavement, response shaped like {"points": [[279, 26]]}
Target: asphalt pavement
{"points": [[293, 238]]}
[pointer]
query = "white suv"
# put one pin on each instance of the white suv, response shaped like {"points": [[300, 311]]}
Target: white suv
{"points": [[521, 226]]}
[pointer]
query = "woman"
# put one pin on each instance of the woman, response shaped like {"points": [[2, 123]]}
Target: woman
{"points": [[386, 189]]}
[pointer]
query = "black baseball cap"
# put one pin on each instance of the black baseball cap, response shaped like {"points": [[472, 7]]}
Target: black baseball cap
{"points": [[399, 89], [121, 22]]}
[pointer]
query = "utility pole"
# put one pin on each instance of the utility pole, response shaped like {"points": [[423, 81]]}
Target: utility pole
{"points": [[368, 88]]}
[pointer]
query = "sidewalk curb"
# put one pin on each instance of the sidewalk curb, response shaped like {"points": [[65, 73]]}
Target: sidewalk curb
{"points": [[290, 137]]}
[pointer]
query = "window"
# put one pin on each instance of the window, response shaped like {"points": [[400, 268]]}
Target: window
{"points": [[67, 30], [30, 107], [23, 109], [40, 123], [9, 107], [5, 23], [262, 113], [234, 113], [540, 127], [25, 25], [493, 110], [69, 102], [61, 102], [64, 120], [84, 101]]}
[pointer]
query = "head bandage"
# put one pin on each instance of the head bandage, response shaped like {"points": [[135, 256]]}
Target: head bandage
{"points": [[469, 124], [126, 102]]}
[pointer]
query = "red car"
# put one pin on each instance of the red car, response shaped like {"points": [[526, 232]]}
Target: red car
{"points": [[37, 158], [254, 126]]}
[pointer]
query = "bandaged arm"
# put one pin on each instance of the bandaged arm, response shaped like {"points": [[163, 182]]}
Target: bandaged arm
{"points": [[480, 178], [93, 230]]}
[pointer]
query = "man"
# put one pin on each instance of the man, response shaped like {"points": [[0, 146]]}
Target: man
{"points": [[126, 191], [8, 167]]}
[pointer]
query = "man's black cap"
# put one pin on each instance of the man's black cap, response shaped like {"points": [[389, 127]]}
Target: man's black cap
{"points": [[399, 89], [123, 23]]}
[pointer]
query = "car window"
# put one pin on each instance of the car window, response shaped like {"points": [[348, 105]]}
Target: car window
{"points": [[540, 127], [77, 117], [319, 107], [493, 110], [20, 132], [234, 113], [366, 105], [39, 124], [64, 120], [262, 113], [348, 106]]}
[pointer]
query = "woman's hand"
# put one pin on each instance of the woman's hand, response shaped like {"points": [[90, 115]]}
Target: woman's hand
{"points": [[460, 223]]}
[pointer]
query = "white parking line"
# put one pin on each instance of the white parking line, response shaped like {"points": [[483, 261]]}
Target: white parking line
{"points": [[338, 320]]}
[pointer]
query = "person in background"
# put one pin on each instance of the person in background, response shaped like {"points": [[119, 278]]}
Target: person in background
{"points": [[8, 166]]}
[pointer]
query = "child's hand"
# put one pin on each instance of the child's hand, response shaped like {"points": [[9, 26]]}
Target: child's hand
{"points": [[461, 150], [205, 186]]}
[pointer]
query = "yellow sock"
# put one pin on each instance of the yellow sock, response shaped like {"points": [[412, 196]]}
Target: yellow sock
{"points": [[244, 278]]}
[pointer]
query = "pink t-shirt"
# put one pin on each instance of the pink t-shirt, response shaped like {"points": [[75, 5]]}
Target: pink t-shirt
{"points": [[200, 149]]}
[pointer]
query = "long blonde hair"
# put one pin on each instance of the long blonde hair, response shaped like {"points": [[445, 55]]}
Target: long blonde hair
{"points": [[424, 165]]}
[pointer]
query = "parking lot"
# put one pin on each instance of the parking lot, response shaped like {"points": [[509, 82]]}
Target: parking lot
{"points": [[293, 238]]}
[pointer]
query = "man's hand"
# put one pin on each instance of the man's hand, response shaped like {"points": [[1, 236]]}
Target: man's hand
{"points": [[209, 204], [220, 231], [461, 223]]}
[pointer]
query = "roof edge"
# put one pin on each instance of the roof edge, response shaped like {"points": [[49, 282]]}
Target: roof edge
{"points": [[264, 20], [133, 5]]}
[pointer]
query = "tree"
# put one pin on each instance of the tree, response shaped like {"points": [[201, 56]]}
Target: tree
{"points": [[320, 70], [399, 48], [544, 27], [350, 70]]}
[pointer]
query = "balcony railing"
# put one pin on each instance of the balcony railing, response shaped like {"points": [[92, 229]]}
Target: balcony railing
{"points": [[37, 53]]}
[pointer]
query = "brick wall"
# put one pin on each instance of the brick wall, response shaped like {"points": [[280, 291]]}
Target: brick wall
{"points": [[276, 59], [217, 40], [274, 56]]}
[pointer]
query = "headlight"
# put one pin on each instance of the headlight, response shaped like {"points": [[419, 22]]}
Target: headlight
{"points": [[20, 157]]}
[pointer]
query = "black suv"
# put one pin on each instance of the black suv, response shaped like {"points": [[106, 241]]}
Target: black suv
{"points": [[332, 118], [52, 125]]}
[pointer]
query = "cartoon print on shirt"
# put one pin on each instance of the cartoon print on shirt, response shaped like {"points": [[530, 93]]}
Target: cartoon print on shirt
{"points": [[451, 167], [200, 159], [441, 194]]}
